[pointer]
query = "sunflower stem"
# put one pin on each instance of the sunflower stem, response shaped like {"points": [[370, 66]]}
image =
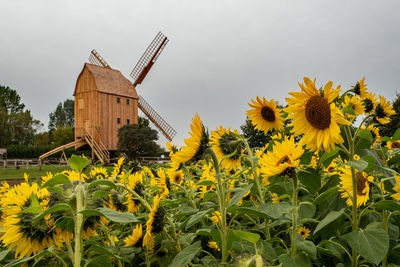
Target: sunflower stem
{"points": [[78, 223], [222, 208], [385, 222], [142, 200], [294, 216], [359, 127]]}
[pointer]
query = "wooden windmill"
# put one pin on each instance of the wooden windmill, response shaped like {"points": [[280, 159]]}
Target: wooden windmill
{"points": [[105, 101]]}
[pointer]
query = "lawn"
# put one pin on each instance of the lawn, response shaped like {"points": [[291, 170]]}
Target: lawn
{"points": [[33, 171]]}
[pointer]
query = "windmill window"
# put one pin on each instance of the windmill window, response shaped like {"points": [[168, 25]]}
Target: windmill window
{"points": [[118, 120], [118, 100], [128, 121], [127, 101]]}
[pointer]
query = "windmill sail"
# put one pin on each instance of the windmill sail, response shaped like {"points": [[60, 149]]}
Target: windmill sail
{"points": [[96, 59], [147, 60], [158, 121]]}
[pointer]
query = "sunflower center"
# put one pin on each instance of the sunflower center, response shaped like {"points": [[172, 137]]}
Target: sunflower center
{"points": [[361, 183], [318, 112], [177, 179], [368, 104], [380, 112], [158, 222], [395, 145], [357, 88], [284, 160], [302, 233], [268, 114]]}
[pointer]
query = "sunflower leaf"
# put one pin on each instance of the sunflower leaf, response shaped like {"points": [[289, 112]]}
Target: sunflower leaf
{"points": [[239, 194], [112, 215], [195, 218], [358, 164], [186, 255], [102, 182], [332, 216], [371, 243], [100, 261], [243, 235], [58, 179], [349, 109], [396, 135], [55, 208], [78, 163]]}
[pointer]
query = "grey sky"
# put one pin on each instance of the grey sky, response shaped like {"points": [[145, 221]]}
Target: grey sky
{"points": [[220, 55]]}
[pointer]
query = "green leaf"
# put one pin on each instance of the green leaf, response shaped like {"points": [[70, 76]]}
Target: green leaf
{"points": [[18, 262], [205, 183], [239, 194], [112, 215], [78, 163], [102, 182], [326, 195], [3, 254], [56, 208], [306, 210], [299, 259], [371, 243], [327, 157], [332, 216], [310, 178], [396, 135], [366, 134], [387, 205], [57, 190], [247, 236], [251, 212], [195, 218], [306, 246], [275, 210], [100, 194], [100, 261], [56, 180], [186, 255], [349, 109], [358, 164]]}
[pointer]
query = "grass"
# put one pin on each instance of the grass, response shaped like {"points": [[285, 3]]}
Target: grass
{"points": [[33, 171]]}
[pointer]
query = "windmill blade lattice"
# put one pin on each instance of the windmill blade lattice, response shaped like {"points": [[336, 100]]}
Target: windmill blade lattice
{"points": [[147, 60], [158, 121], [96, 59]]}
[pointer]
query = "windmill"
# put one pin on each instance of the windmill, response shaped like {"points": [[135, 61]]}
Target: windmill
{"points": [[105, 100]]}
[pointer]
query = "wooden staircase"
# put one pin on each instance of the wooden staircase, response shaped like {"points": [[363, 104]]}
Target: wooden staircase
{"points": [[98, 148]]}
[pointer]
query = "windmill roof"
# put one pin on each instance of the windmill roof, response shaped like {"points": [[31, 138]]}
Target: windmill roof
{"points": [[111, 81]]}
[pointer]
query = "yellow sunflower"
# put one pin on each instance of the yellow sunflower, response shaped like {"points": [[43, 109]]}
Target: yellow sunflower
{"points": [[355, 103], [154, 224], [117, 170], [136, 238], [99, 173], [275, 198], [224, 143], [195, 145], [304, 232], [135, 182], [383, 111], [315, 115], [265, 115], [396, 188], [369, 102], [346, 185], [376, 137], [393, 144], [172, 148], [214, 245], [162, 180], [216, 217], [175, 176], [360, 88], [17, 229], [283, 158]]}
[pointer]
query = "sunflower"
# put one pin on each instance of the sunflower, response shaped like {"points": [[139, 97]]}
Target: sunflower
{"points": [[316, 116], [116, 202], [332, 167], [216, 217], [136, 238], [196, 145], [162, 180], [135, 182], [154, 225], [214, 245], [98, 173], [346, 184], [264, 115], [275, 198], [172, 148], [396, 188], [393, 144], [304, 232], [224, 143], [383, 111], [283, 158], [117, 170], [355, 103], [376, 137], [369, 102], [360, 88], [17, 228], [175, 176]]}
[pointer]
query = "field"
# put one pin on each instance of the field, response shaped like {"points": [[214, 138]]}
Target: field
{"points": [[13, 173], [323, 190]]}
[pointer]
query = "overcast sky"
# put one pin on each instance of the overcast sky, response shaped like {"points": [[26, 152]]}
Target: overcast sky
{"points": [[220, 55]]}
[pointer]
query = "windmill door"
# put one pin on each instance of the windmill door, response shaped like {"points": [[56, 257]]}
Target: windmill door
{"points": [[88, 128]]}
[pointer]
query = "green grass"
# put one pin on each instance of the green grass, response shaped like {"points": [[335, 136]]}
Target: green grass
{"points": [[34, 172]]}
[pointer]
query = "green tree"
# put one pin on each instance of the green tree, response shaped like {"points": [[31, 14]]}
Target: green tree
{"points": [[138, 140], [63, 115], [256, 138], [17, 125], [62, 135], [394, 124]]}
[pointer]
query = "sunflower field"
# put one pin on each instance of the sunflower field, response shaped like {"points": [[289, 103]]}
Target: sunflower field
{"points": [[324, 191]]}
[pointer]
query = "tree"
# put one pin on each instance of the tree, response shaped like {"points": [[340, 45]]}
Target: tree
{"points": [[63, 135], [63, 115], [17, 125], [138, 140], [394, 124], [256, 138]]}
